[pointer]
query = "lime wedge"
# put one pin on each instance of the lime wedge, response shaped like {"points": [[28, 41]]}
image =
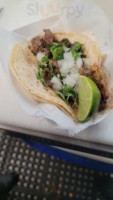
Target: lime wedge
{"points": [[89, 98]]}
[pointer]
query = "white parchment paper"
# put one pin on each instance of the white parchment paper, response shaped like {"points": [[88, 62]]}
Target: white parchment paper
{"points": [[80, 16]]}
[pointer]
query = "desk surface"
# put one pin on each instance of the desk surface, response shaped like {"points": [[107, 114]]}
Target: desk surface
{"points": [[11, 114]]}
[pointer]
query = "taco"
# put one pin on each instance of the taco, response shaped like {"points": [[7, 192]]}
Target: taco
{"points": [[49, 68]]}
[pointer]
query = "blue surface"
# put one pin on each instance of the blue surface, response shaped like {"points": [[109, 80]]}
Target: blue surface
{"points": [[71, 158]]}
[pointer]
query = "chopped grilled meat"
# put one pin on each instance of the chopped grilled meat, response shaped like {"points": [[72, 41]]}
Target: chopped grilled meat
{"points": [[48, 76], [49, 37], [56, 71], [38, 44], [47, 70], [98, 76], [48, 79], [42, 43], [54, 63], [67, 42], [47, 52], [49, 83]]}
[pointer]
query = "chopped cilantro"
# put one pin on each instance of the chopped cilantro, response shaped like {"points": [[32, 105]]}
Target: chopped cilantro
{"points": [[77, 55], [77, 51], [40, 76], [64, 44], [53, 46], [57, 51], [59, 93], [51, 69], [68, 91], [43, 82], [42, 66], [76, 47], [68, 94], [45, 59]]}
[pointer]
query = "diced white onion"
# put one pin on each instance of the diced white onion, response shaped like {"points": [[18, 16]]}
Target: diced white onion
{"points": [[74, 70], [66, 64], [57, 85], [79, 63], [66, 49], [40, 55], [71, 79]]}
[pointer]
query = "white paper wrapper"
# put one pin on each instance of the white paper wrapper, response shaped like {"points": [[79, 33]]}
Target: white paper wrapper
{"points": [[81, 16]]}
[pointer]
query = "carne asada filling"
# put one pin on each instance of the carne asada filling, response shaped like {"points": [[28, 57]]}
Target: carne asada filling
{"points": [[60, 64]]}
